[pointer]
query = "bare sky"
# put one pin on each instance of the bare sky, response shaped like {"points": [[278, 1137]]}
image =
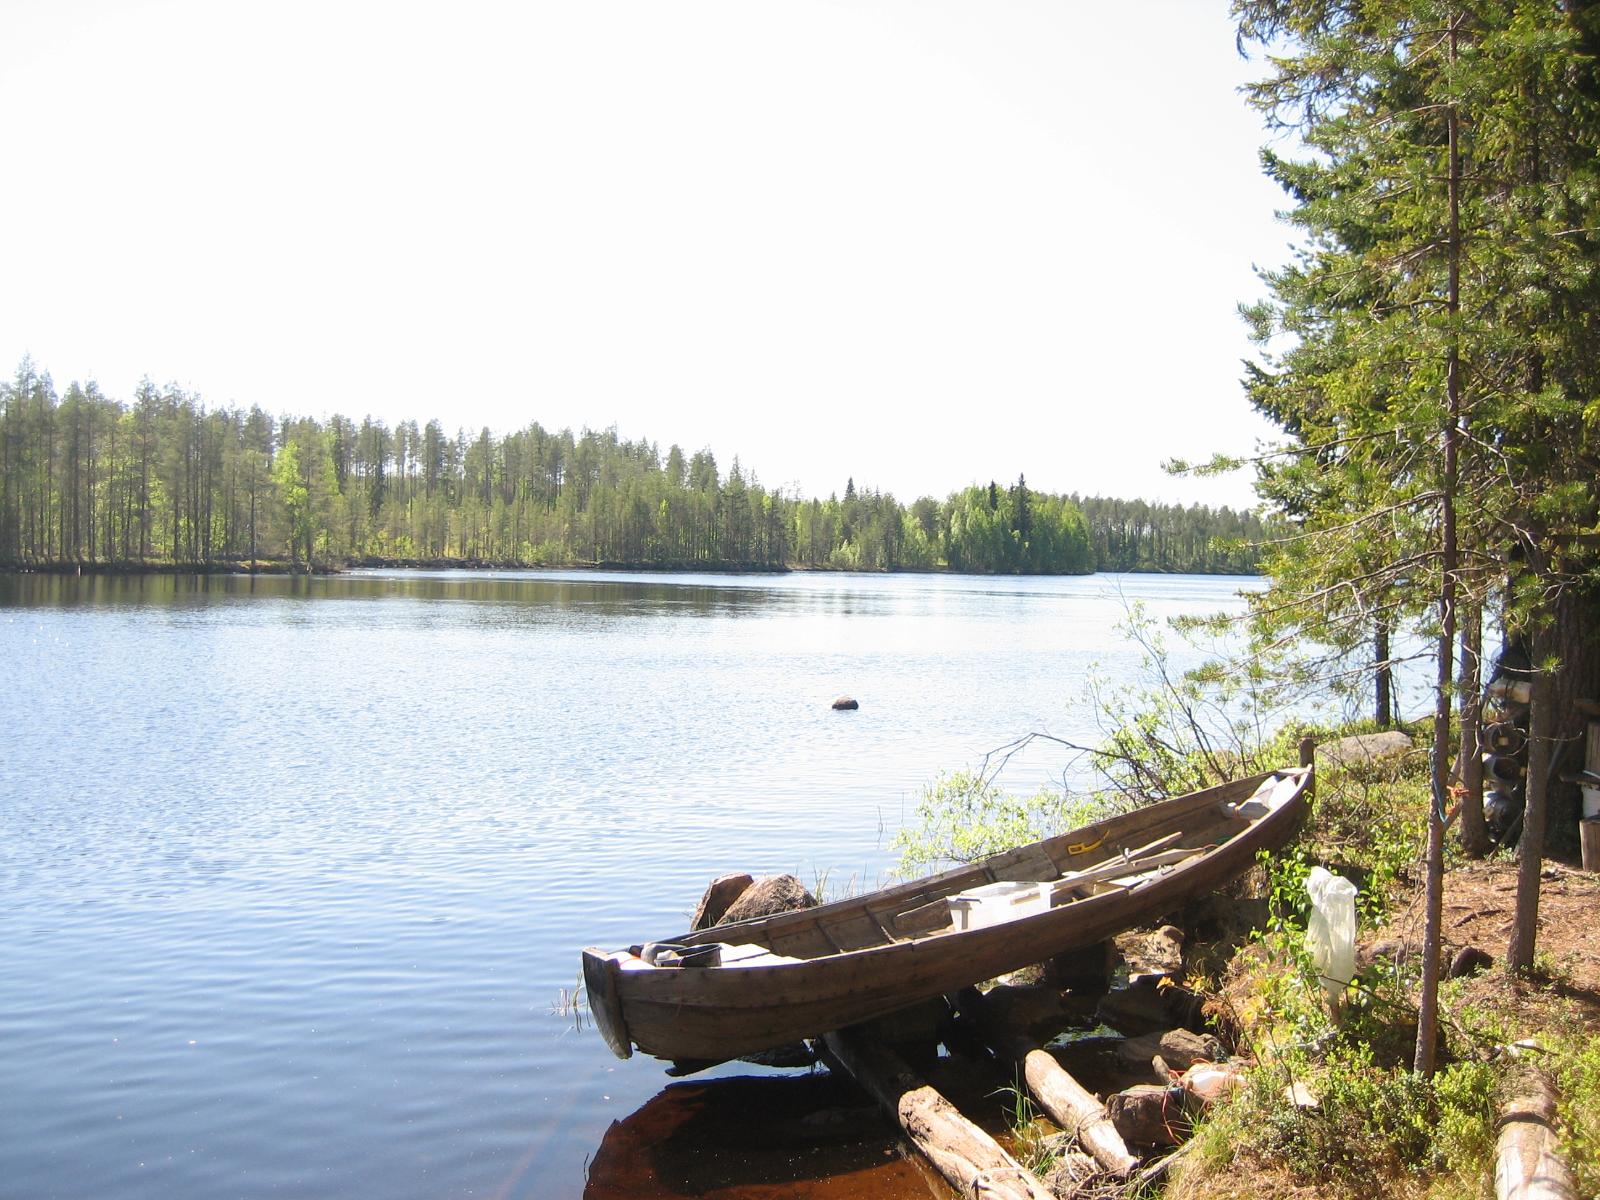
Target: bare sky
{"points": [[921, 243]]}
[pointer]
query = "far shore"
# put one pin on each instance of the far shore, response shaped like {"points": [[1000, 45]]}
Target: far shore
{"points": [[279, 567]]}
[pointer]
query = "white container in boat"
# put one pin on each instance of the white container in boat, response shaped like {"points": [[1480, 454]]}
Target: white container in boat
{"points": [[996, 902], [1591, 802]]}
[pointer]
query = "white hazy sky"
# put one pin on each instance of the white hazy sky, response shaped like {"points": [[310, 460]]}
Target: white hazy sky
{"points": [[921, 243]]}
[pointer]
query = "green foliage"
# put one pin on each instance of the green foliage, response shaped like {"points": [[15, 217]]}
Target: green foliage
{"points": [[1577, 1071], [1031, 1143], [1134, 535], [1445, 188], [85, 478], [1015, 531], [1370, 1124], [1288, 902], [963, 817], [1180, 731]]}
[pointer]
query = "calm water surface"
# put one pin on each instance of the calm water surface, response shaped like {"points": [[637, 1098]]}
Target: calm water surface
{"points": [[295, 870]]}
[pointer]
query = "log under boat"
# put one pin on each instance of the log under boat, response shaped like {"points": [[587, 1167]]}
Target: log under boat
{"points": [[750, 985]]}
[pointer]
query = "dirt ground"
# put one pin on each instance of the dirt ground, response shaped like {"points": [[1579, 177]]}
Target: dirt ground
{"points": [[1479, 903]]}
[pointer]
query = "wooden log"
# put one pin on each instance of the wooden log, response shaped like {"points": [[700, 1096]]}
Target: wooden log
{"points": [[1066, 1101], [970, 1160], [1528, 1163], [1158, 1170], [1074, 1108]]}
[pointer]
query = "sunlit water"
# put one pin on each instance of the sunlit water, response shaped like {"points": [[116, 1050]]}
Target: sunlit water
{"points": [[294, 871]]}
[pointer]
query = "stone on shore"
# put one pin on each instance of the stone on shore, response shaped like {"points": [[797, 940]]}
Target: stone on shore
{"points": [[768, 896], [1365, 747], [719, 897], [1179, 1048]]}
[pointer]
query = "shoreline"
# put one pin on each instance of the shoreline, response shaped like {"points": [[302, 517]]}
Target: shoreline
{"points": [[373, 562]]}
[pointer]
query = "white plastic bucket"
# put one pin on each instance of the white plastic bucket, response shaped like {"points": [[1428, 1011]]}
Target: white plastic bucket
{"points": [[1591, 802]]}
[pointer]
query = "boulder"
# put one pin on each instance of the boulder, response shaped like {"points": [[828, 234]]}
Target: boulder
{"points": [[718, 899], [845, 703], [1365, 748], [918, 1024], [768, 896], [1158, 951], [1180, 1049], [1394, 950], [1152, 1004], [1469, 960], [1149, 1114], [1037, 1010]]}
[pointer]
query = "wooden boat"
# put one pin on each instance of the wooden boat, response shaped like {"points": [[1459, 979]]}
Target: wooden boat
{"points": [[750, 985]]}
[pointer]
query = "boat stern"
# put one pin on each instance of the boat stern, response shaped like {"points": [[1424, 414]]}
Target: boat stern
{"points": [[600, 974]]}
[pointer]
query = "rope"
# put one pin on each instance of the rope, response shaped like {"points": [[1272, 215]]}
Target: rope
{"points": [[986, 1179]]}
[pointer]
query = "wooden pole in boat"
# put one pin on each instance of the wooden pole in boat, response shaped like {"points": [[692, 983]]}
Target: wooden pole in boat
{"points": [[969, 1159], [1308, 758], [1066, 1101]]}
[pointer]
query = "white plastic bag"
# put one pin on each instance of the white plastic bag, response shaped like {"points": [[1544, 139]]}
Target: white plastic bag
{"points": [[1331, 933]]}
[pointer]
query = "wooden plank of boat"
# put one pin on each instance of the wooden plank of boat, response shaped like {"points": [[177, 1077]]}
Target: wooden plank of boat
{"points": [[801, 974]]}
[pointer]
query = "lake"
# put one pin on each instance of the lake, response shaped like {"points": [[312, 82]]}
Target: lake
{"points": [[296, 870]]}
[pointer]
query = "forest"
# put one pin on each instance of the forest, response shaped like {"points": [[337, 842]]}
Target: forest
{"points": [[89, 480]]}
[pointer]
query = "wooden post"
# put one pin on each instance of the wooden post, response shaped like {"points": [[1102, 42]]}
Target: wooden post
{"points": [[1589, 832], [969, 1159], [1308, 758], [1528, 1164]]}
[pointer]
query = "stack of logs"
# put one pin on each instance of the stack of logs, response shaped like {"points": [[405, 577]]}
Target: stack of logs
{"points": [[1126, 1142]]}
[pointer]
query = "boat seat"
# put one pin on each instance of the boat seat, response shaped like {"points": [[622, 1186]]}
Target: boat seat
{"points": [[753, 956], [727, 955]]}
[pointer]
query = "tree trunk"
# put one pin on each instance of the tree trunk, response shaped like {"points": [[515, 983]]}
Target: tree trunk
{"points": [[1576, 647], [1433, 890], [1530, 850], [1383, 678], [1474, 834]]}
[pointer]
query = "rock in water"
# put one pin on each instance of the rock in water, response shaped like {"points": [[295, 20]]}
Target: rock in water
{"points": [[768, 896], [845, 703], [719, 897]]}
